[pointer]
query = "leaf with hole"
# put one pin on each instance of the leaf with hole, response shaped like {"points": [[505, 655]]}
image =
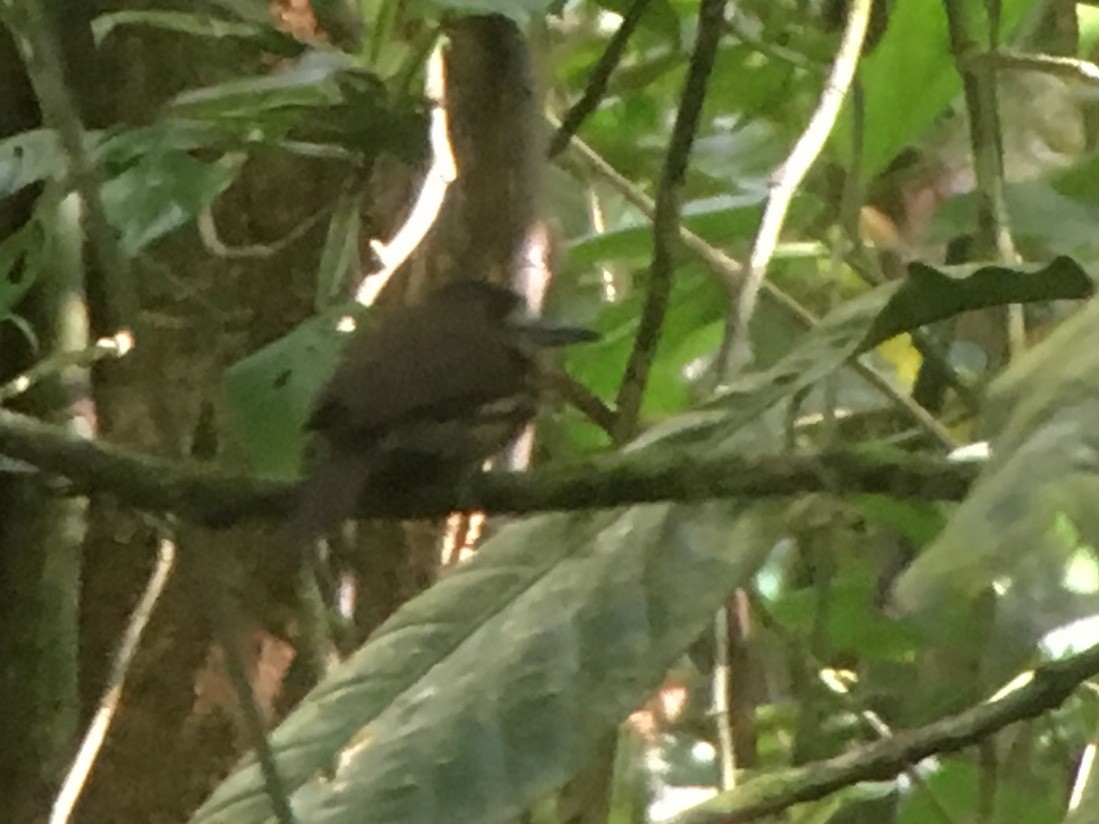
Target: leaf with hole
{"points": [[270, 393]]}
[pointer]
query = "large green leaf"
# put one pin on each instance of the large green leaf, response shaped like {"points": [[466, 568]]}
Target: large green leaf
{"points": [[270, 393], [488, 690], [1034, 504]]}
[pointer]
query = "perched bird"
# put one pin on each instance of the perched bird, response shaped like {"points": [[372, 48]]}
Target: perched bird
{"points": [[426, 392]]}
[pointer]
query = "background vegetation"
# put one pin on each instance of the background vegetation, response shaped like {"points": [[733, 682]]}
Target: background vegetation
{"points": [[753, 573]]}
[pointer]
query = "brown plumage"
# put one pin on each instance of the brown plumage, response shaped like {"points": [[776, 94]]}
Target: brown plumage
{"points": [[426, 392]]}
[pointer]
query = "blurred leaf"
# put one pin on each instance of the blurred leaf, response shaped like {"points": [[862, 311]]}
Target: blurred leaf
{"points": [[161, 193], [659, 16], [270, 393], [200, 25], [521, 11], [919, 522], [953, 784], [312, 82], [27, 158], [20, 261], [1042, 478], [854, 622], [323, 99], [909, 79], [490, 689], [688, 333], [1039, 215]]}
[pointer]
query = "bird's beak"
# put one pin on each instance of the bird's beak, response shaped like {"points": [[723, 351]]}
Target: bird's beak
{"points": [[549, 333]]}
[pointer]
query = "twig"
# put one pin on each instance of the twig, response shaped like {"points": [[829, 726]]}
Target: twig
{"points": [[582, 398], [986, 140], [219, 499], [597, 80], [1049, 687], [792, 172], [227, 631], [725, 269], [78, 773], [442, 172], [1002, 58], [208, 234], [111, 299], [711, 23], [113, 347], [720, 703]]}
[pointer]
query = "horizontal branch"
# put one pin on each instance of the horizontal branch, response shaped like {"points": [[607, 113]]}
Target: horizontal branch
{"points": [[883, 760], [217, 498]]}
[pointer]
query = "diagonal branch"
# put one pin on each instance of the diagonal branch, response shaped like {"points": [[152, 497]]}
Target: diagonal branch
{"points": [[766, 795], [598, 79], [711, 23]]}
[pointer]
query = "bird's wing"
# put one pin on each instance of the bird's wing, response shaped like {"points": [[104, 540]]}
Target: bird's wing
{"points": [[401, 371]]}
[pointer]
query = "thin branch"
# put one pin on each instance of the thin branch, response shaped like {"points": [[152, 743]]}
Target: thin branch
{"points": [[211, 241], [1049, 687], [1071, 67], [111, 298], [711, 23], [117, 346], [228, 631], [719, 705], [219, 499], [793, 171], [986, 140], [112, 696], [598, 79]]}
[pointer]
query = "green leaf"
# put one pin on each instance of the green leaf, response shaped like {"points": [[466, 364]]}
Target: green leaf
{"points": [[1033, 506], [691, 330], [718, 219], [490, 689], [29, 157], [161, 193], [919, 522], [909, 79], [270, 393], [200, 25]]}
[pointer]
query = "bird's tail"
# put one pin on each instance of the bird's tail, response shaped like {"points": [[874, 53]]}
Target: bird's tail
{"points": [[330, 493]]}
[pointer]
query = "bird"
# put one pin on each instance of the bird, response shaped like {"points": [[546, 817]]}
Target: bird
{"points": [[425, 393]]}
